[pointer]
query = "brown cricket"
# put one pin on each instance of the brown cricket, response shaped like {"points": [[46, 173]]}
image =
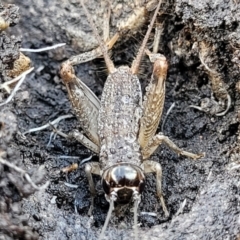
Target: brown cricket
{"points": [[121, 128]]}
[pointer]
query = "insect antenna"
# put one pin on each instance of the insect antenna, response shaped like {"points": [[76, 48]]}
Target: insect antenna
{"points": [[103, 46], [136, 199], [111, 207], [136, 202], [137, 60]]}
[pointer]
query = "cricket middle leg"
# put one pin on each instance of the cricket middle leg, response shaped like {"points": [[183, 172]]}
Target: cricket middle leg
{"points": [[159, 139]]}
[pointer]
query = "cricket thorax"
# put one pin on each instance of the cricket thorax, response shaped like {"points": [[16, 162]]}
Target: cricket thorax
{"points": [[119, 117]]}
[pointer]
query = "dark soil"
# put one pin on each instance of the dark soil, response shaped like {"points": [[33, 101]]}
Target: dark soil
{"points": [[202, 196]]}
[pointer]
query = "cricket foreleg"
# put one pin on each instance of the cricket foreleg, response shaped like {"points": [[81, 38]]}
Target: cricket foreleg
{"points": [[151, 166], [160, 138], [92, 168]]}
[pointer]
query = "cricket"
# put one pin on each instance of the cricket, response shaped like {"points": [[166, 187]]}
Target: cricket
{"points": [[121, 127]]}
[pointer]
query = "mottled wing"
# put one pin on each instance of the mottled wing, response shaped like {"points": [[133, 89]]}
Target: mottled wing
{"points": [[86, 106], [153, 102]]}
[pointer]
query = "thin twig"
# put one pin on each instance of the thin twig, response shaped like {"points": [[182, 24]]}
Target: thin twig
{"points": [[180, 210], [52, 137], [71, 185], [168, 112], [22, 77], [67, 157], [42, 49], [86, 160], [152, 214], [24, 173], [48, 124], [229, 102], [5, 84]]}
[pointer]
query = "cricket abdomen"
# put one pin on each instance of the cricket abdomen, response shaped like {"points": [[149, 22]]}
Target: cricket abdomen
{"points": [[119, 119]]}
